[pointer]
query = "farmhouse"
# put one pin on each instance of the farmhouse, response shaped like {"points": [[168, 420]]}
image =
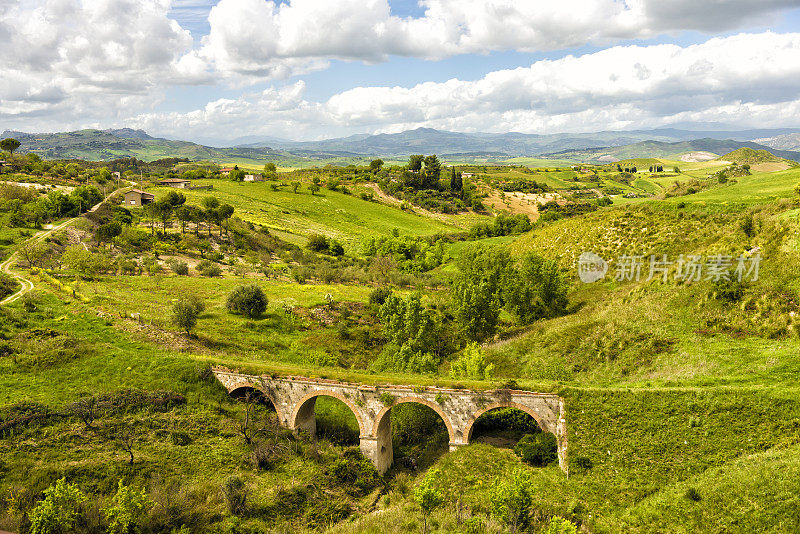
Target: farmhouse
{"points": [[225, 171], [253, 178], [180, 183], [467, 175], [136, 197]]}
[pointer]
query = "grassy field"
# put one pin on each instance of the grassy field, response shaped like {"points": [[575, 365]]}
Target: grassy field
{"points": [[343, 217]]}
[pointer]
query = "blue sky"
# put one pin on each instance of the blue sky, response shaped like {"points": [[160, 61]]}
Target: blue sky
{"points": [[308, 69]]}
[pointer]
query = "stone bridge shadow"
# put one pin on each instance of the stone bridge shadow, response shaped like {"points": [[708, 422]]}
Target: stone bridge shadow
{"points": [[295, 399]]}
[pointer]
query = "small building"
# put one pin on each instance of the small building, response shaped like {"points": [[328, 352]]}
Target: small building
{"points": [[117, 175], [137, 197], [253, 178], [225, 171], [180, 183], [467, 174]]}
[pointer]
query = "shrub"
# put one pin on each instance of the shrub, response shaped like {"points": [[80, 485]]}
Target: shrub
{"points": [[236, 494], [248, 300], [386, 398], [471, 363], [582, 462], [317, 243], [178, 267], [728, 290], [126, 510], [208, 268], [537, 449], [184, 315], [379, 295], [354, 473], [59, 511], [559, 525]]}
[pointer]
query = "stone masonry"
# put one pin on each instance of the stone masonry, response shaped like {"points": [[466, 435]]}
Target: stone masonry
{"points": [[294, 399]]}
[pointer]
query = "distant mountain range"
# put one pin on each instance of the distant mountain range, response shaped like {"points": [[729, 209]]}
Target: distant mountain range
{"points": [[450, 146]]}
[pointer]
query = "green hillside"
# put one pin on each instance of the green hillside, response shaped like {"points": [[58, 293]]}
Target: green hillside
{"points": [[681, 397], [746, 155]]}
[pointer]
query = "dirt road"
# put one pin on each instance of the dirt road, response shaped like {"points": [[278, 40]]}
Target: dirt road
{"points": [[27, 285]]}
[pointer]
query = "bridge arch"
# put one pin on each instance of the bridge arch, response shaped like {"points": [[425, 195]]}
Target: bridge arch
{"points": [[304, 418], [383, 416], [530, 411]]}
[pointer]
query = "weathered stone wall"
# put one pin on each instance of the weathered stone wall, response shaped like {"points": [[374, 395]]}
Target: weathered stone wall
{"points": [[294, 399]]}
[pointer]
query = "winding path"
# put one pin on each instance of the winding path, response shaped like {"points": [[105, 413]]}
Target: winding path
{"points": [[27, 285]]}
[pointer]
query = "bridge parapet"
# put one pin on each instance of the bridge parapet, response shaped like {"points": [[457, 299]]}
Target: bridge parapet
{"points": [[295, 397]]}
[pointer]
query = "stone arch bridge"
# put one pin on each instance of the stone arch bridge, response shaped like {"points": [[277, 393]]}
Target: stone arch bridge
{"points": [[294, 399]]}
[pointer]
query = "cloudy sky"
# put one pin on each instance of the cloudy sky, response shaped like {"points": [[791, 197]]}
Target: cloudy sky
{"points": [[216, 70]]}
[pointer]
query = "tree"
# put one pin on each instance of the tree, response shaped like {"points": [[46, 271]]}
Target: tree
{"points": [[107, 232], [270, 171], [33, 251], [210, 205], [313, 188], [184, 215], [456, 182], [471, 364], [224, 212], [415, 162], [511, 500], [428, 497], [163, 211], [59, 511], [184, 315], [433, 170], [126, 510], [295, 186], [375, 165], [237, 175], [248, 300], [10, 145]]}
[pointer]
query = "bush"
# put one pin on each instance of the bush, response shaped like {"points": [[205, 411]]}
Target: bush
{"points": [[248, 300], [379, 295], [208, 268], [184, 315], [317, 243], [354, 473], [59, 511], [537, 449], [582, 462], [559, 525], [729, 290], [236, 494], [127, 509], [178, 267]]}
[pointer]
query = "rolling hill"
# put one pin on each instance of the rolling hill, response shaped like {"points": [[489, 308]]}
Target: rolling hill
{"points": [[659, 149], [450, 146]]}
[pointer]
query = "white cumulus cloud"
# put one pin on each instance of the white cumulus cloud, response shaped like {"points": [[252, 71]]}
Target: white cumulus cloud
{"points": [[266, 38], [742, 78]]}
